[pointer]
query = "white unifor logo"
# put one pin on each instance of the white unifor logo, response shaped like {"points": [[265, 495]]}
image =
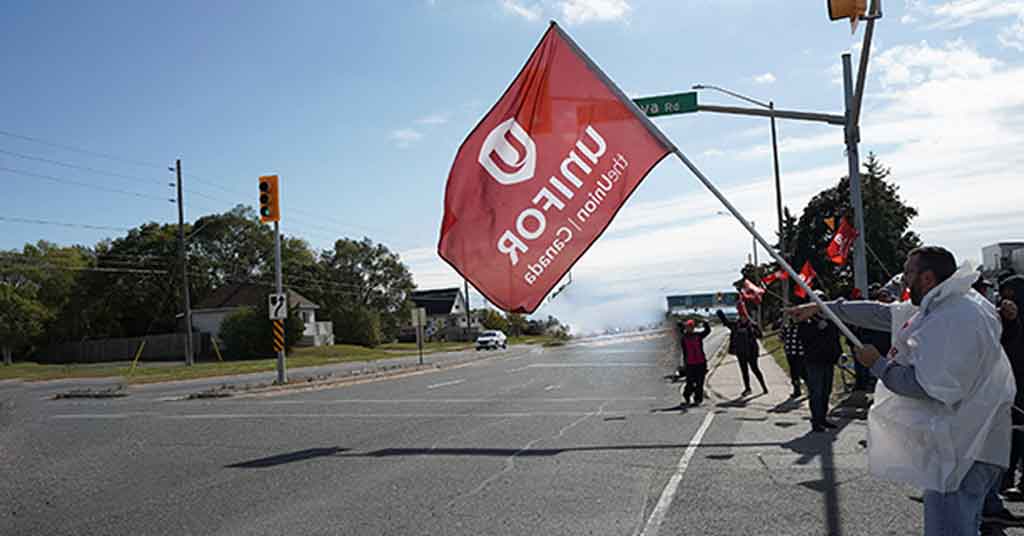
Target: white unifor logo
{"points": [[508, 153]]}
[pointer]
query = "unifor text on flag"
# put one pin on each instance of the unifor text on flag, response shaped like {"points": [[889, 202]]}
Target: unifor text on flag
{"points": [[542, 175]]}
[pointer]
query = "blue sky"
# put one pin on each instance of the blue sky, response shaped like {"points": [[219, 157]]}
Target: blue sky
{"points": [[360, 107]]}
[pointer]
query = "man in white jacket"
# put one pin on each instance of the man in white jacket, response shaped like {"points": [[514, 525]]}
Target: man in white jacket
{"points": [[941, 416]]}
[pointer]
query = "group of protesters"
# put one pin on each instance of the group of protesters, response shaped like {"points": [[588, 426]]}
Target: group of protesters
{"points": [[947, 362]]}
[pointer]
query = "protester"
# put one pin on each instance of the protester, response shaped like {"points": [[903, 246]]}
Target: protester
{"points": [[743, 336], [881, 339], [820, 339], [1013, 344], [695, 360], [941, 418], [794, 350]]}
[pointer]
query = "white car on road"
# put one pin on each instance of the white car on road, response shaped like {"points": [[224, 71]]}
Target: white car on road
{"points": [[491, 339]]}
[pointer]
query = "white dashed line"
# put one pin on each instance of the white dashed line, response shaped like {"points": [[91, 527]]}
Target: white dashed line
{"points": [[453, 382]]}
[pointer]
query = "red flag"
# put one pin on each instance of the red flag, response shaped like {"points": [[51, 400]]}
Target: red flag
{"points": [[807, 275], [751, 292], [774, 276], [839, 248], [906, 295], [542, 175]]}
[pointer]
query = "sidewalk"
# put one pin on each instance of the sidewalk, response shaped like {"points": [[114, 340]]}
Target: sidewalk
{"points": [[804, 482]]}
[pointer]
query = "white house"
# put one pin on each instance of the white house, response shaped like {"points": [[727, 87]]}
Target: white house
{"points": [[211, 312]]}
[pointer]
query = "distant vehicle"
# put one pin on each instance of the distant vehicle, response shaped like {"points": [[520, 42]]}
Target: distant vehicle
{"points": [[491, 339]]}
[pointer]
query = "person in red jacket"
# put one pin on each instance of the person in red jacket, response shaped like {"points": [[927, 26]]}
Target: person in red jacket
{"points": [[695, 361]]}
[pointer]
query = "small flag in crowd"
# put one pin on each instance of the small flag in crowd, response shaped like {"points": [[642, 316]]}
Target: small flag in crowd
{"points": [[774, 276], [751, 292], [807, 275], [839, 249]]}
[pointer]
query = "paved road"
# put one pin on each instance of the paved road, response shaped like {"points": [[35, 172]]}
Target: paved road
{"points": [[585, 439]]}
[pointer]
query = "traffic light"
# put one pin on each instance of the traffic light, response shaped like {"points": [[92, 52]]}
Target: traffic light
{"points": [[269, 199], [847, 9]]}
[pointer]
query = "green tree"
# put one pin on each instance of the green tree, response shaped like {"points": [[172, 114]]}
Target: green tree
{"points": [[494, 320], [887, 219], [516, 324], [21, 319], [357, 325], [247, 333], [362, 274]]}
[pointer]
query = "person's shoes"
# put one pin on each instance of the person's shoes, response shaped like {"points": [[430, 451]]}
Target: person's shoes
{"points": [[794, 394], [686, 400], [1003, 518], [817, 428], [830, 425], [697, 403], [764, 390], [745, 392], [1013, 495]]}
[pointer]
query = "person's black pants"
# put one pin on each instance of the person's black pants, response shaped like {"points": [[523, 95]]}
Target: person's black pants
{"points": [[1016, 449], [751, 363], [819, 384], [695, 382], [797, 371]]}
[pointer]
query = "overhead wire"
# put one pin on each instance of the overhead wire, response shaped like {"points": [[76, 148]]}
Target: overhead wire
{"points": [[84, 184]]}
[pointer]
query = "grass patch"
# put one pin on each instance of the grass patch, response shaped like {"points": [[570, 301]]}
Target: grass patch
{"points": [[298, 358]]}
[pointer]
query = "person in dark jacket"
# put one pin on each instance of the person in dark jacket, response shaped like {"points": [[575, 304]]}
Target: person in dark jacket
{"points": [[820, 338], [695, 360], [794, 350], [743, 336], [1011, 295]]}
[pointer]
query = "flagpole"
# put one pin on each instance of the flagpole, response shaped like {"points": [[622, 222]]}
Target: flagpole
{"points": [[778, 258]]}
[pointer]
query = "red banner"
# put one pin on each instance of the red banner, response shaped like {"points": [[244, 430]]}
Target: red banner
{"points": [[774, 276], [542, 176], [751, 292], [807, 275], [839, 249]]}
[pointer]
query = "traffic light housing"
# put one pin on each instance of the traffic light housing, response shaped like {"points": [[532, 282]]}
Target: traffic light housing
{"points": [[847, 9], [269, 199]]}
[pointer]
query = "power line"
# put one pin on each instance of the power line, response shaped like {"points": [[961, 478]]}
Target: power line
{"points": [[14, 264], [63, 224], [79, 150], [82, 184], [76, 166]]}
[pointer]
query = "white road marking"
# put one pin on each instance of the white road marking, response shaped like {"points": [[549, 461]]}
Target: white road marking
{"points": [[442, 384], [442, 400], [658, 514], [520, 369], [590, 365], [421, 415], [550, 387]]}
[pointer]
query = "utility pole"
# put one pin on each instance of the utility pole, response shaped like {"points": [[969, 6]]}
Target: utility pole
{"points": [[189, 359], [469, 325], [860, 264], [778, 205]]}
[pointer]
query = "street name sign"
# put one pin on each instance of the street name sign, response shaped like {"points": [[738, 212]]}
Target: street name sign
{"points": [[679, 103]]}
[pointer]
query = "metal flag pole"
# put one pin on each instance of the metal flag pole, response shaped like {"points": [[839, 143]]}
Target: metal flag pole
{"points": [[778, 258]]}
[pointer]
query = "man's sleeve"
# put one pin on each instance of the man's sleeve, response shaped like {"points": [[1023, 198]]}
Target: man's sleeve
{"points": [[866, 314], [899, 379]]}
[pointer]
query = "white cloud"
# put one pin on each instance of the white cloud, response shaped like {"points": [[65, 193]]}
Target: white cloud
{"points": [[530, 13], [766, 78], [911, 65], [404, 137], [908, 19], [433, 119], [582, 11], [960, 13], [712, 153], [1012, 36]]}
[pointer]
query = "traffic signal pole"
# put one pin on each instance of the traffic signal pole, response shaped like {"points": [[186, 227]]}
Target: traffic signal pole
{"points": [[282, 372], [189, 358]]}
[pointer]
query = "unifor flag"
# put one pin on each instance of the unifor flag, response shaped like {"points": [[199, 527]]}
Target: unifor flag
{"points": [[839, 249], [751, 292], [542, 175], [807, 275], [774, 276]]}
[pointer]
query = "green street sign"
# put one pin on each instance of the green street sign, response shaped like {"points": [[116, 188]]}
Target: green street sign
{"points": [[680, 103]]}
